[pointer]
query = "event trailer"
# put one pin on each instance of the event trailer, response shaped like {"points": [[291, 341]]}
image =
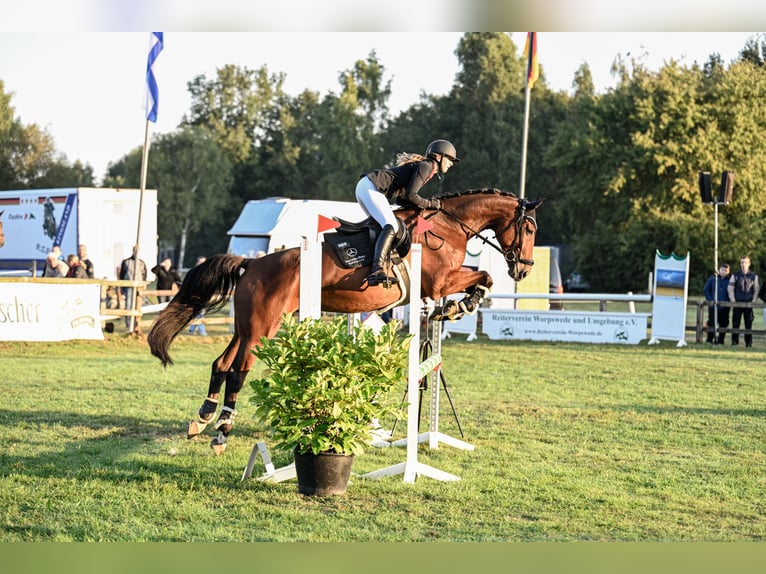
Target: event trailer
{"points": [[104, 219]]}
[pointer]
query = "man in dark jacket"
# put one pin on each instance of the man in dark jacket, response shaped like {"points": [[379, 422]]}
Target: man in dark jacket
{"points": [[720, 281], [743, 288], [167, 277]]}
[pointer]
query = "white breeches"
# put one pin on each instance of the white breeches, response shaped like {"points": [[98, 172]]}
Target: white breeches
{"points": [[375, 204]]}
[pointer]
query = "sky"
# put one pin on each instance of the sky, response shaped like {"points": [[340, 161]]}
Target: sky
{"points": [[87, 89]]}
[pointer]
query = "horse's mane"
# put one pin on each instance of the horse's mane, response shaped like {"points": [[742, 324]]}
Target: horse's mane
{"points": [[484, 190]]}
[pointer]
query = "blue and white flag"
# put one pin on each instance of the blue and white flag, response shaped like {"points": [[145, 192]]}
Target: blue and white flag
{"points": [[153, 92]]}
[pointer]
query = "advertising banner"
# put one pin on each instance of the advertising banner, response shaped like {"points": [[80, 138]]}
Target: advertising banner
{"points": [[538, 281], [572, 326], [36, 220], [49, 311]]}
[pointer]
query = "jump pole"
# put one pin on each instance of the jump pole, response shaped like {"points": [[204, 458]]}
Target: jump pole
{"points": [[310, 307], [433, 436], [411, 468]]}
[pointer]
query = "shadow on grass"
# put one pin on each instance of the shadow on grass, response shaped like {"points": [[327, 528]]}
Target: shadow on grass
{"points": [[681, 410], [118, 449]]}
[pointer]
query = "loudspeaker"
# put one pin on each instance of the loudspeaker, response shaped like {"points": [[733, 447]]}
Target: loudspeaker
{"points": [[727, 187], [706, 192]]}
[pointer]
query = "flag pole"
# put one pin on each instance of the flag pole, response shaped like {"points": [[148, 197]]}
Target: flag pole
{"points": [[522, 183], [530, 52], [157, 44], [142, 189]]}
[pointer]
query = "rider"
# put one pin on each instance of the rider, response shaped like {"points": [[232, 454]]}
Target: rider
{"points": [[378, 189]]}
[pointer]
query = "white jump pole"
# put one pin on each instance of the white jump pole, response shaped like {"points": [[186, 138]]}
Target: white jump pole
{"points": [[411, 468], [433, 437], [310, 307]]}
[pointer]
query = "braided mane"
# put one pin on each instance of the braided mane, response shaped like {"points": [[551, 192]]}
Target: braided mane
{"points": [[484, 190]]}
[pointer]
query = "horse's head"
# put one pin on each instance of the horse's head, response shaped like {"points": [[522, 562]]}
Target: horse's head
{"points": [[517, 238]]}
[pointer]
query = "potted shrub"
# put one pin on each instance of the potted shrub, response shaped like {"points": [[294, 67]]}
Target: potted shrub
{"points": [[323, 385]]}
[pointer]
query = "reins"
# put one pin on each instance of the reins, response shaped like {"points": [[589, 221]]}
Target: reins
{"points": [[510, 253]]}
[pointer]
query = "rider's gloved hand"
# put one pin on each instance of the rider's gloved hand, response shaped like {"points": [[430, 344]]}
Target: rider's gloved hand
{"points": [[434, 203]]}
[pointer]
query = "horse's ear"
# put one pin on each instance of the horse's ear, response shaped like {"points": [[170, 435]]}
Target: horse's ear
{"points": [[532, 205]]}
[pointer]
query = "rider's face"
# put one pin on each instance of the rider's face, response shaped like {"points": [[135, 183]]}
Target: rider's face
{"points": [[446, 163]]}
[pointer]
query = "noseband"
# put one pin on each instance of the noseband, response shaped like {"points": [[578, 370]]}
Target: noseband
{"points": [[512, 253]]}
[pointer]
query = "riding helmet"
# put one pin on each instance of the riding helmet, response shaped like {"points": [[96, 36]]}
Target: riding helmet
{"points": [[442, 147]]}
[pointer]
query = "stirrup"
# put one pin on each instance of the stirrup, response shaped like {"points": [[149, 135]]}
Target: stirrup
{"points": [[378, 277]]}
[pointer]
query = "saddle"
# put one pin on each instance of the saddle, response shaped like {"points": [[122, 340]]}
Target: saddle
{"points": [[354, 244]]}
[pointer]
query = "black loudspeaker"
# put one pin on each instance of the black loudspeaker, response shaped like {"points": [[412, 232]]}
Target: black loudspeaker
{"points": [[706, 192], [727, 187]]}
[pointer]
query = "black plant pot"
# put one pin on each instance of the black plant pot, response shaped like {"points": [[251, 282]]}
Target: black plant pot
{"points": [[322, 474]]}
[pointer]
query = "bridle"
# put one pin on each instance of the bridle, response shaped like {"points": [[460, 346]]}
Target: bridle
{"points": [[512, 253]]}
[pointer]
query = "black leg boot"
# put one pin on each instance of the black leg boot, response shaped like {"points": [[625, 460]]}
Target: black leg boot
{"points": [[383, 247]]}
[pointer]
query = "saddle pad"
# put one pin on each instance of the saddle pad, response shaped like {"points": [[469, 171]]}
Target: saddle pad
{"points": [[354, 250]]}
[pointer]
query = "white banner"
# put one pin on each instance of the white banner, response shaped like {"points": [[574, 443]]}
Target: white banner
{"points": [[671, 285], [49, 311], [577, 327]]}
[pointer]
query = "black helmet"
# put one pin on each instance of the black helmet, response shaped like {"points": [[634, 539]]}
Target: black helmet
{"points": [[442, 147]]}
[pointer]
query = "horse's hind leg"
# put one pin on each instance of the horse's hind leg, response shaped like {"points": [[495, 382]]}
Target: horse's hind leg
{"points": [[209, 407], [235, 380]]}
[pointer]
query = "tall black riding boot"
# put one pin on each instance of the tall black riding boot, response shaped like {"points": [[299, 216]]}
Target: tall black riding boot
{"points": [[383, 247]]}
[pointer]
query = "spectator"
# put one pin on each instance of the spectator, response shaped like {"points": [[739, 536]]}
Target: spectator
{"points": [[167, 278], [54, 266], [82, 252], [743, 288], [719, 280], [128, 272], [76, 269], [47, 271], [197, 325]]}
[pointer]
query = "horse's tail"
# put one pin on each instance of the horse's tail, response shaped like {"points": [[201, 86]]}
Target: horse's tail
{"points": [[206, 287]]}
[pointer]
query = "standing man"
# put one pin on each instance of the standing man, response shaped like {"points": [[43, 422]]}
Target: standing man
{"points": [[743, 288], [717, 281], [128, 272], [85, 261], [167, 278]]}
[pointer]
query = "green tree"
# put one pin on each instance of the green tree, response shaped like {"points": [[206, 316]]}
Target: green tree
{"points": [[28, 156], [192, 176], [635, 153], [239, 106]]}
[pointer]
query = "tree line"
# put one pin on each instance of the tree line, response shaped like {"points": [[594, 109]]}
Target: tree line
{"points": [[619, 169]]}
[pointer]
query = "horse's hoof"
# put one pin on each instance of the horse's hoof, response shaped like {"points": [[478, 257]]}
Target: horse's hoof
{"points": [[448, 312], [218, 444], [195, 428]]}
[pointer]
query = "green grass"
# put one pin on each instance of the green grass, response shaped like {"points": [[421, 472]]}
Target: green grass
{"points": [[572, 443]]}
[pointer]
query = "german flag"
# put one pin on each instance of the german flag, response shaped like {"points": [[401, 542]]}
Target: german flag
{"points": [[530, 55]]}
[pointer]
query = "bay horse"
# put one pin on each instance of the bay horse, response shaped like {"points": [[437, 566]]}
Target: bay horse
{"points": [[268, 287]]}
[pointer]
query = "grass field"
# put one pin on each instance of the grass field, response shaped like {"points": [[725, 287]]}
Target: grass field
{"points": [[572, 443]]}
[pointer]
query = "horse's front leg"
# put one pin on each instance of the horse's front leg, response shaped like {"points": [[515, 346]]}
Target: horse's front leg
{"points": [[475, 284]]}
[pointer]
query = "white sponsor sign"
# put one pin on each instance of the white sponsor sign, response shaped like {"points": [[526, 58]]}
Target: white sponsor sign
{"points": [[49, 311], [578, 327], [671, 286]]}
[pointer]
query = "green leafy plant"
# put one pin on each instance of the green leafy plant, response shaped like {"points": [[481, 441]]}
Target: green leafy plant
{"points": [[325, 383]]}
